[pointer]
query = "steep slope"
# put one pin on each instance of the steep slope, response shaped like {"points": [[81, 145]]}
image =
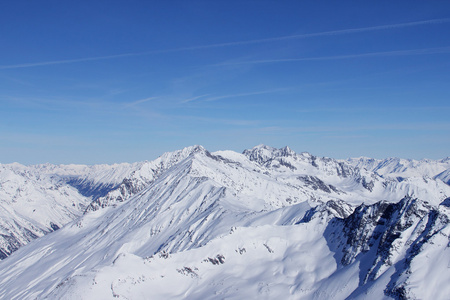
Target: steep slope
{"points": [[444, 176], [266, 223], [32, 204], [384, 250], [140, 176], [38, 199], [94, 181], [398, 248], [183, 209]]}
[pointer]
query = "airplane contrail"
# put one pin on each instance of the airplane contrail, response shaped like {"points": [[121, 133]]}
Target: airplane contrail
{"points": [[229, 44], [425, 51]]}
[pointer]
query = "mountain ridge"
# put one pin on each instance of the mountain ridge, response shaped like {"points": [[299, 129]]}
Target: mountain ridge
{"points": [[197, 217]]}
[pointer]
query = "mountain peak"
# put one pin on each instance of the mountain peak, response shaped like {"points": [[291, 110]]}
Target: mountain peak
{"points": [[263, 154], [200, 219], [191, 149], [179, 155], [286, 151], [263, 146]]}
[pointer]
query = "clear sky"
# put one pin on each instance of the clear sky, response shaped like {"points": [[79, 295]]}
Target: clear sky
{"points": [[114, 81]]}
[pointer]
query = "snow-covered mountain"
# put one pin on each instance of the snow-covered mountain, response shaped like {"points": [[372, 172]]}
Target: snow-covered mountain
{"points": [[402, 168], [139, 176], [444, 176], [39, 199], [266, 223], [33, 203]]}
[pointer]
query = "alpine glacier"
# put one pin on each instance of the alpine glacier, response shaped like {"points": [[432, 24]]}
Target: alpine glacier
{"points": [[192, 224]]}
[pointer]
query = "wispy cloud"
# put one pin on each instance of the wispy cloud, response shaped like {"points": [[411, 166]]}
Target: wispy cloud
{"points": [[134, 103], [228, 44], [371, 109], [365, 29], [194, 98], [426, 51], [317, 34], [53, 103], [245, 94], [69, 61]]}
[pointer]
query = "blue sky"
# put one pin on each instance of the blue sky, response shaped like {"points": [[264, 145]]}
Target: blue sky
{"points": [[114, 81]]}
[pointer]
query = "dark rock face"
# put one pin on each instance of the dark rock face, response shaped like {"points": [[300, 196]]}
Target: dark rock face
{"points": [[272, 158], [379, 236], [128, 187], [11, 245], [317, 184], [54, 226], [10, 241], [330, 210], [266, 156], [367, 185], [343, 170]]}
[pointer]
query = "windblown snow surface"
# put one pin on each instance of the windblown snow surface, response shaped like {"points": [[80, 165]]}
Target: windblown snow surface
{"points": [[268, 223]]}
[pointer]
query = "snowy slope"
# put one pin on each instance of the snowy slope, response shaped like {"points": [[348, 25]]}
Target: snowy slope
{"points": [[139, 176], [402, 168], [352, 183], [32, 204], [267, 223], [38, 199], [444, 176], [182, 210]]}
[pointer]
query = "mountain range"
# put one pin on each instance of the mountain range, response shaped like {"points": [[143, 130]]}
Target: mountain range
{"points": [[199, 225]]}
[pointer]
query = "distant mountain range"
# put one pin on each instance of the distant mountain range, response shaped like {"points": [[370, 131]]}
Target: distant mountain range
{"points": [[192, 224]]}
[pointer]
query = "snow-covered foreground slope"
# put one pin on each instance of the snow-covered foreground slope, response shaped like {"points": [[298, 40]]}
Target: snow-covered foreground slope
{"points": [[38, 199], [266, 223], [309, 260]]}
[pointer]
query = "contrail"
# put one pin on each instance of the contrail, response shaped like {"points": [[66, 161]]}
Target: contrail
{"points": [[140, 101], [69, 61], [229, 44], [241, 95], [324, 33], [441, 50], [194, 98]]}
